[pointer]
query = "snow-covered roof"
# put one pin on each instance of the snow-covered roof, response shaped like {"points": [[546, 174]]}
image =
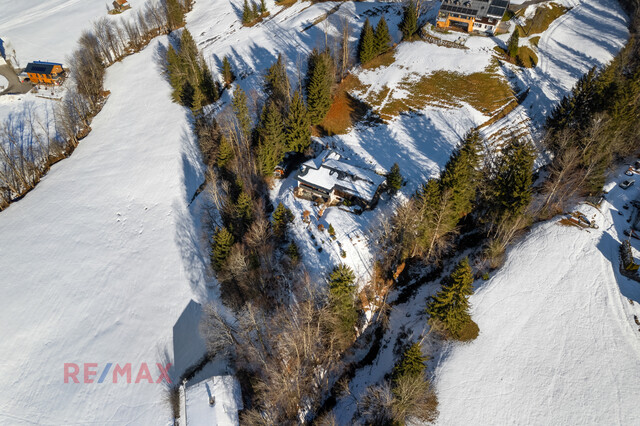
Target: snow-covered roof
{"points": [[327, 172], [227, 402]]}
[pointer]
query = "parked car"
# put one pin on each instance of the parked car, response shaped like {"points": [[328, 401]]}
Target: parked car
{"points": [[627, 183]]}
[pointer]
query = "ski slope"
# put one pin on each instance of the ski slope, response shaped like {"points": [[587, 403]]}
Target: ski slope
{"points": [[100, 259], [558, 343]]}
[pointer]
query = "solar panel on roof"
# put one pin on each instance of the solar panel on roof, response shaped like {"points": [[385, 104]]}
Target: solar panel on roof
{"points": [[500, 3], [456, 9], [496, 11]]}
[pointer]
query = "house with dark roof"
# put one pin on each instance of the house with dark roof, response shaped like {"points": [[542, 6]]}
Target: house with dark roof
{"points": [[482, 16], [44, 72], [121, 5], [330, 179]]}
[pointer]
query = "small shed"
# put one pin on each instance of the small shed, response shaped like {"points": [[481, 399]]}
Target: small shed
{"points": [[215, 401], [120, 5]]}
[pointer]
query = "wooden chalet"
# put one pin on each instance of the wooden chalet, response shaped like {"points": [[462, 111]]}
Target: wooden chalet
{"points": [[120, 5], [44, 72], [481, 16], [329, 179]]}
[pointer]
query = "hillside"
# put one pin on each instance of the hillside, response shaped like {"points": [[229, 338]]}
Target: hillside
{"points": [[558, 342], [100, 260]]}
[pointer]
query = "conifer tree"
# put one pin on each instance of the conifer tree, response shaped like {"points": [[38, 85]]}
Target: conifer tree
{"points": [[276, 85], [263, 7], [342, 301], [512, 45], [298, 132], [198, 100], [247, 14], [175, 14], [451, 305], [189, 57], [461, 177], [331, 230], [242, 213], [225, 153], [293, 252], [511, 186], [207, 85], [382, 38], [282, 216], [409, 24], [227, 73], [177, 77], [255, 11], [394, 179], [319, 83], [271, 144], [411, 364], [187, 94], [366, 46], [223, 241], [241, 110]]}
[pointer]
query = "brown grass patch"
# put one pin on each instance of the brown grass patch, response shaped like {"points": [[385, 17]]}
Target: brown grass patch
{"points": [[543, 17], [345, 111], [525, 58], [484, 91], [469, 332], [383, 60], [534, 40]]}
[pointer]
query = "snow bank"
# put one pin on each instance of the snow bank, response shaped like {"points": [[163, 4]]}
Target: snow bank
{"points": [[557, 343], [100, 259]]}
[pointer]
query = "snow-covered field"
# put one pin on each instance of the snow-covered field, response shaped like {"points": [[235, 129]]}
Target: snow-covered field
{"points": [[558, 343], [100, 259], [48, 30]]}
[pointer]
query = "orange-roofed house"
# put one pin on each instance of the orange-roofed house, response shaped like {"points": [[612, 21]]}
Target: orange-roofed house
{"points": [[44, 72]]}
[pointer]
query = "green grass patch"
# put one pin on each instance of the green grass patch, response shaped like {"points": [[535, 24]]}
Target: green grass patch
{"points": [[383, 60], [507, 15], [543, 17]]}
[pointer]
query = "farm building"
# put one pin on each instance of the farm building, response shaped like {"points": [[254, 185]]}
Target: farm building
{"points": [[45, 72], [120, 5], [329, 179], [482, 16]]}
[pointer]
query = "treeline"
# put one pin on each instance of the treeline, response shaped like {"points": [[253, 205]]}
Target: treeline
{"points": [[30, 144], [594, 127], [254, 12], [189, 75]]}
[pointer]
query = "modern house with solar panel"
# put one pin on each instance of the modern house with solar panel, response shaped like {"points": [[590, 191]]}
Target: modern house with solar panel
{"points": [[481, 16], [45, 72]]}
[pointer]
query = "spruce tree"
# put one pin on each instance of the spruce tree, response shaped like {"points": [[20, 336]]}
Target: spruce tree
{"points": [[298, 132], [411, 364], [177, 77], [187, 94], [242, 213], [263, 7], [319, 83], [175, 14], [394, 179], [247, 14], [382, 38], [451, 305], [293, 252], [409, 24], [512, 45], [227, 73], [198, 100], [276, 85], [366, 46], [242, 112], [511, 185], [207, 85], [255, 11], [223, 241], [342, 301], [282, 216], [225, 153], [189, 57], [331, 230], [271, 144], [461, 177]]}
